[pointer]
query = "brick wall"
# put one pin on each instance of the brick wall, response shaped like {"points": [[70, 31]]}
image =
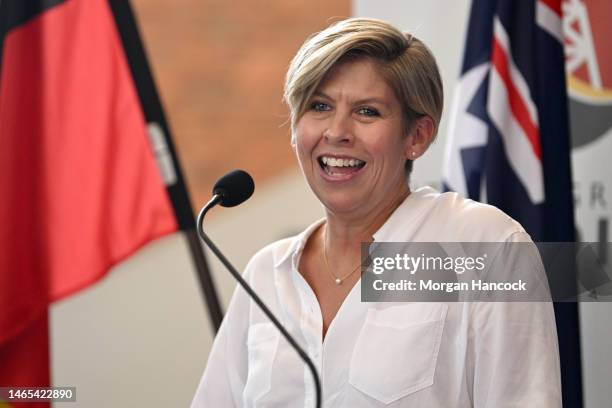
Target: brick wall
{"points": [[219, 68]]}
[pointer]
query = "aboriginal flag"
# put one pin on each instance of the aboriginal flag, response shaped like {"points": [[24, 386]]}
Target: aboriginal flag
{"points": [[80, 188], [509, 141]]}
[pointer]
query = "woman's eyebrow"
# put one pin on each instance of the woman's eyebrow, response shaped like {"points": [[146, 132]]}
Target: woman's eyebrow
{"points": [[320, 94], [363, 101], [370, 100]]}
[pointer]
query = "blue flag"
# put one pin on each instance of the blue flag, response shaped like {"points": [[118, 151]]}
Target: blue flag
{"points": [[509, 142]]}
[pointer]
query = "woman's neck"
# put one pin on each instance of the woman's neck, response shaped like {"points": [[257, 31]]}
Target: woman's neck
{"points": [[345, 233]]}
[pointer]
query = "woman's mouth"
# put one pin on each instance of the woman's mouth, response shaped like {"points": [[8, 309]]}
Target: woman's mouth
{"points": [[340, 168]]}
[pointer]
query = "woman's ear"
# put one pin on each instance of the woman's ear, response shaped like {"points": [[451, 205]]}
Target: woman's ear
{"points": [[420, 137]]}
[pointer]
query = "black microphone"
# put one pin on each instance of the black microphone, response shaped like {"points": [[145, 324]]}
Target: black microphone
{"points": [[233, 189]]}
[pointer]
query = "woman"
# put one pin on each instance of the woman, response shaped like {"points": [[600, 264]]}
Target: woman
{"points": [[365, 102]]}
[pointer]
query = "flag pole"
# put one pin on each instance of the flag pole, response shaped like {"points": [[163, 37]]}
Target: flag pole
{"points": [[164, 149]]}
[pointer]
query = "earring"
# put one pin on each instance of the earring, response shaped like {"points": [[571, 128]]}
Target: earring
{"points": [[413, 154]]}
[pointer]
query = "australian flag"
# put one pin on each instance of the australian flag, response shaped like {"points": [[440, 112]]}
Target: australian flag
{"points": [[509, 141]]}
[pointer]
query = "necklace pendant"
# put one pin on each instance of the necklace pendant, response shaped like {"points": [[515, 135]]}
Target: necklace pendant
{"points": [[338, 281]]}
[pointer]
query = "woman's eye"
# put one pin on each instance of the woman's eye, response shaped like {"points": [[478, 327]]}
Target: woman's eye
{"points": [[319, 107], [368, 111]]}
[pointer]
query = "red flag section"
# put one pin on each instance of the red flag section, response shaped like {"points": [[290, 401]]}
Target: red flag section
{"points": [[79, 186], [25, 360]]}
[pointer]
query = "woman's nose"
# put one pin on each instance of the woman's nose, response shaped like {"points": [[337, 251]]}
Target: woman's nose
{"points": [[339, 129]]}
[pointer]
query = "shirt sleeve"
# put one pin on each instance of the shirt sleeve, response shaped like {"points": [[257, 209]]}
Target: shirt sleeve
{"points": [[515, 349], [225, 375]]}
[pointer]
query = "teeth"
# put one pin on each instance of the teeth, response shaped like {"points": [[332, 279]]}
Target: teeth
{"points": [[337, 162]]}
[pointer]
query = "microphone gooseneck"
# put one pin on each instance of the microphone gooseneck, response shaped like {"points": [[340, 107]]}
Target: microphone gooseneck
{"points": [[230, 190]]}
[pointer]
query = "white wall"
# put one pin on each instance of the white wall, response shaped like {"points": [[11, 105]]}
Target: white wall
{"points": [[591, 165]]}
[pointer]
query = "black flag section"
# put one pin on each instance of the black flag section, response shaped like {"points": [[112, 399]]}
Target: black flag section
{"points": [[14, 13]]}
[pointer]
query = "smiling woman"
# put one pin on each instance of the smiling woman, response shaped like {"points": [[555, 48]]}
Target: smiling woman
{"points": [[365, 102], [354, 115]]}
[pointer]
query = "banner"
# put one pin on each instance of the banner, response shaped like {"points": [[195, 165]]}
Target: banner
{"points": [[79, 182], [509, 141]]}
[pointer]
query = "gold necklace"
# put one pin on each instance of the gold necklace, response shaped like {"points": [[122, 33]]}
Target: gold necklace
{"points": [[337, 279]]}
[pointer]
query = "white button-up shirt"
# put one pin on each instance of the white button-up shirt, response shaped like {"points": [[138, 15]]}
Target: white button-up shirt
{"points": [[386, 354]]}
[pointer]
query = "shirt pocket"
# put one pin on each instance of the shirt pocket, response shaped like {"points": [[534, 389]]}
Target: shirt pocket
{"points": [[396, 351], [262, 344]]}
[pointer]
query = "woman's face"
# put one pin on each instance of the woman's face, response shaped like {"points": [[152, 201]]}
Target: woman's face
{"points": [[350, 143]]}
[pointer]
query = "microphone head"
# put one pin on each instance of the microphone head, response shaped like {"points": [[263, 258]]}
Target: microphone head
{"points": [[234, 188]]}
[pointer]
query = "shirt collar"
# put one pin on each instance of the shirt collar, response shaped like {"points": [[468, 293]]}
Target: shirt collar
{"points": [[404, 214], [297, 243]]}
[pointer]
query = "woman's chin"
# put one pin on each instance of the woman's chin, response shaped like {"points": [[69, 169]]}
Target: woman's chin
{"points": [[344, 204]]}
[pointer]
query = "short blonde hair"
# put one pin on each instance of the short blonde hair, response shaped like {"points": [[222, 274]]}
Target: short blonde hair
{"points": [[403, 60]]}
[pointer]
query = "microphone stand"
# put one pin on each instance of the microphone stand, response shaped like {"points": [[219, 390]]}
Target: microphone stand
{"points": [[217, 198]]}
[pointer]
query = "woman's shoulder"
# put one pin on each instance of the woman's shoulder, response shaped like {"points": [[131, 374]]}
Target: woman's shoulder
{"points": [[467, 219]]}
